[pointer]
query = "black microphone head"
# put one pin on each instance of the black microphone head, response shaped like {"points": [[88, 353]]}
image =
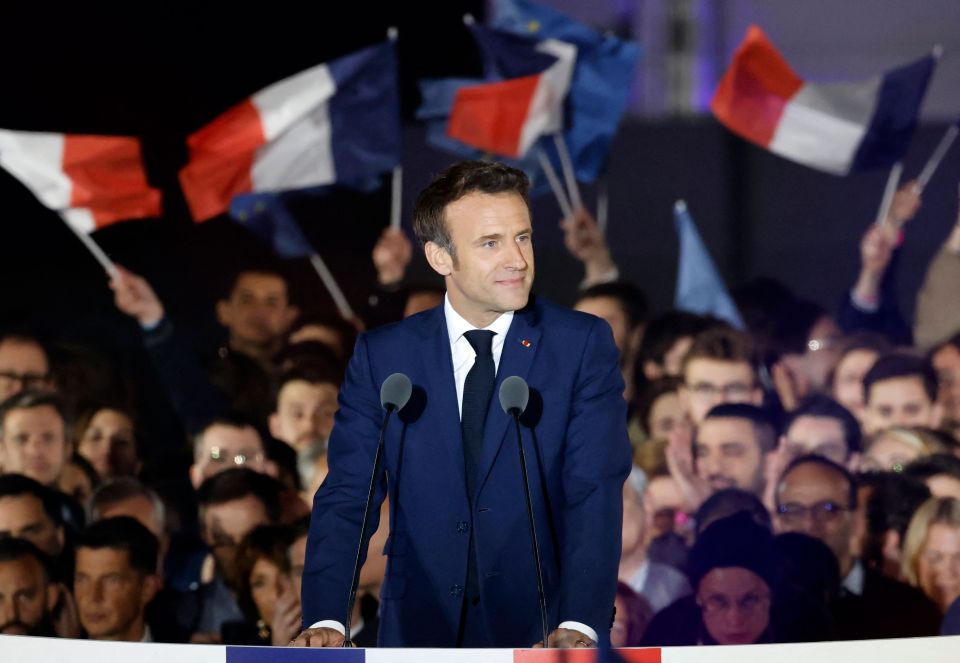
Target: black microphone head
{"points": [[514, 394], [395, 391]]}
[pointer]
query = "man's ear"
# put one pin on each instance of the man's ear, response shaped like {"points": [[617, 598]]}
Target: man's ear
{"points": [[54, 590], [151, 585], [293, 312], [439, 258], [273, 423]]}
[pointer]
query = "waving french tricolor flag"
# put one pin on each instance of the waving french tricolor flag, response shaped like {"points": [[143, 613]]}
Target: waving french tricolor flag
{"points": [[834, 127], [506, 117], [337, 122], [92, 181]]}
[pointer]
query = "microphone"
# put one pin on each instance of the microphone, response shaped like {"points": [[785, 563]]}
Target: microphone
{"points": [[514, 396], [394, 394]]}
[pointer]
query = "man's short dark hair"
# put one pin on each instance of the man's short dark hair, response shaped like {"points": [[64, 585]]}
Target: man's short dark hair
{"points": [[926, 467], [665, 330], [952, 342], [631, 299], [15, 485], [314, 374], [237, 483], [12, 550], [826, 463], [893, 500], [652, 392], [722, 344], [818, 405], [261, 269], [764, 427], [899, 365], [230, 420], [29, 399], [127, 534], [120, 489], [452, 184], [728, 502]]}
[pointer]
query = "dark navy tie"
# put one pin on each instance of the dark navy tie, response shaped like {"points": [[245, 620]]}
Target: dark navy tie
{"points": [[477, 390]]}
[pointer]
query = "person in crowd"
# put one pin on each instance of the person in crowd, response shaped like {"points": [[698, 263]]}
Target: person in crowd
{"points": [[257, 314], [886, 501], [658, 584], [264, 586], [116, 579], [670, 524], [659, 411], [33, 436], [857, 356], [733, 571], [24, 365], [105, 436], [808, 585], [871, 304], [937, 315], [893, 449], [931, 551], [78, 479], [666, 340], [624, 307], [806, 342], [306, 403], [719, 368], [945, 358], [231, 504], [728, 502], [818, 497], [28, 591], [900, 390], [631, 617], [126, 496], [228, 442], [940, 472]]}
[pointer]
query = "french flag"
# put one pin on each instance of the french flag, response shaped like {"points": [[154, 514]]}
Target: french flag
{"points": [[506, 117], [92, 181], [834, 127], [338, 122]]}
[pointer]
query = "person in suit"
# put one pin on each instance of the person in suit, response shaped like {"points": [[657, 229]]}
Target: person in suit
{"points": [[460, 570]]}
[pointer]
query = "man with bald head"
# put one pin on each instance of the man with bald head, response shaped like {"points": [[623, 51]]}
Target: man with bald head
{"points": [[817, 497]]}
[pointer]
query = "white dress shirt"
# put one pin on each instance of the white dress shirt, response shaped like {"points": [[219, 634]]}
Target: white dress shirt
{"points": [[463, 356]]}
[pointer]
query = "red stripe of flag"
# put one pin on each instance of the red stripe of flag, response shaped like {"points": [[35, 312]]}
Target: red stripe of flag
{"points": [[221, 161], [755, 89], [651, 655], [108, 177], [491, 116]]}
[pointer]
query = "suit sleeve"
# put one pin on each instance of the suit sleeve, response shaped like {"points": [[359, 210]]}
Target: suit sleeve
{"points": [[338, 505], [596, 463]]}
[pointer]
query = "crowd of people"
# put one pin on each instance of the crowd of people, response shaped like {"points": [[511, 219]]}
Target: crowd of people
{"points": [[797, 480]]}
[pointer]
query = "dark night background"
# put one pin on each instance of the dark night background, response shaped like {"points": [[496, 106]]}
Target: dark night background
{"points": [[162, 71]]}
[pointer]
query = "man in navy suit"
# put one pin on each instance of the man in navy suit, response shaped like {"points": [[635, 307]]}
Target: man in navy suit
{"points": [[460, 568]]}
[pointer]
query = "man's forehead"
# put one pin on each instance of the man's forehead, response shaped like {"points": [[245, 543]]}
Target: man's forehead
{"points": [[43, 415], [104, 559], [21, 507], [222, 435], [807, 427], [478, 212], [722, 369], [813, 481], [726, 429], [901, 387], [26, 570], [260, 283], [22, 350]]}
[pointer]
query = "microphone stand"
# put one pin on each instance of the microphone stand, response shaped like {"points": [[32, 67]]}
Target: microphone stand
{"points": [[533, 529], [347, 641]]}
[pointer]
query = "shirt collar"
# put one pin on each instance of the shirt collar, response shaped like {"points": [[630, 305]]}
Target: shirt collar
{"points": [[854, 581], [457, 325]]}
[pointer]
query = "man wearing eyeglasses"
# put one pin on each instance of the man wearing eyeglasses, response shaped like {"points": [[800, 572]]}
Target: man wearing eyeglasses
{"points": [[23, 365], [817, 497], [225, 443], [719, 368]]}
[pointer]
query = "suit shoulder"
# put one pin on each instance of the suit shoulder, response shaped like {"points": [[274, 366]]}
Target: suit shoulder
{"points": [[402, 331]]}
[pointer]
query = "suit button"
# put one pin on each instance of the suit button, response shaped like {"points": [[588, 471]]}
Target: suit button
{"points": [[463, 526], [456, 590]]}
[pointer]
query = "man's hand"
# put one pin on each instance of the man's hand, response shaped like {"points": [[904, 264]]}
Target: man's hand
{"points": [[286, 618], [906, 203], [318, 637], [565, 638], [876, 251], [134, 296], [679, 455], [587, 244], [391, 255]]}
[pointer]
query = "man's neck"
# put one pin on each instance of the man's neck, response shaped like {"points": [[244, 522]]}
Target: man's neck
{"points": [[631, 563], [261, 353], [133, 633]]}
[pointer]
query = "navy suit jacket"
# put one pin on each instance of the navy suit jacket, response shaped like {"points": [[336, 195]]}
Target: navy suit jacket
{"points": [[578, 456]]}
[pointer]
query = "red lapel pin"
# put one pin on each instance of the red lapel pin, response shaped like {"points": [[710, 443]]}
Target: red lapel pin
{"points": [[525, 343]]}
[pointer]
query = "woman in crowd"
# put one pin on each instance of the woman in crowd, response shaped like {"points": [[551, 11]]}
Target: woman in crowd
{"points": [[105, 437], [931, 553]]}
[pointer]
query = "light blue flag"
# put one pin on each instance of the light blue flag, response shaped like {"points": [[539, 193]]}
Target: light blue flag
{"points": [[699, 286]]}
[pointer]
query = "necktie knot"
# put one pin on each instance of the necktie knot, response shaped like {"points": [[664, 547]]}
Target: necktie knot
{"points": [[481, 340]]}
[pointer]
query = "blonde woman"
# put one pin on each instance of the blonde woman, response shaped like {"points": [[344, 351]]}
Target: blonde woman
{"points": [[931, 550], [892, 449]]}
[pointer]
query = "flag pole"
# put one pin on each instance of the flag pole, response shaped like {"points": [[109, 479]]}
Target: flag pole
{"points": [[396, 193], [934, 161], [892, 181], [603, 205], [568, 173], [95, 250], [555, 185], [331, 285]]}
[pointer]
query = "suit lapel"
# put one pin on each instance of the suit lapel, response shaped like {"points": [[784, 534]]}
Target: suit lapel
{"points": [[519, 349], [441, 390]]}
